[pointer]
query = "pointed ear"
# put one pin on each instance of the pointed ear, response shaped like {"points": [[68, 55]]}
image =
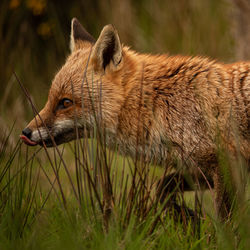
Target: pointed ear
{"points": [[107, 50], [79, 37]]}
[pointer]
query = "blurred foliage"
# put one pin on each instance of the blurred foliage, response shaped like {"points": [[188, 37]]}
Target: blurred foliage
{"points": [[34, 37]]}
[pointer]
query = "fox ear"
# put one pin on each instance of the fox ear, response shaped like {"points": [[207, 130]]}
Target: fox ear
{"points": [[79, 37], [108, 49]]}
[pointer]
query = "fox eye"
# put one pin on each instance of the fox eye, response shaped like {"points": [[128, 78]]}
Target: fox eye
{"points": [[64, 103], [67, 103]]}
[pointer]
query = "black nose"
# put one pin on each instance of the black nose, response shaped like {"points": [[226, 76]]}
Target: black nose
{"points": [[27, 132]]}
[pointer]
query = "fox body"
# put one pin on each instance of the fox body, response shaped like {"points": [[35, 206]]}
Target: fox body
{"points": [[164, 107]]}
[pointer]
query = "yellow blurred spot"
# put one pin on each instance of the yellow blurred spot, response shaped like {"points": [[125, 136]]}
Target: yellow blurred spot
{"points": [[14, 4], [37, 6], [44, 30]]}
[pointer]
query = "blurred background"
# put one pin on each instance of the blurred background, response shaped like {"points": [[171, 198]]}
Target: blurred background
{"points": [[34, 39]]}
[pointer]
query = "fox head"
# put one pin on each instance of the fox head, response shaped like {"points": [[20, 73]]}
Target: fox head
{"points": [[88, 84]]}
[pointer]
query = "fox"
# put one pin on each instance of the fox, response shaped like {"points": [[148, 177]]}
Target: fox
{"points": [[169, 109]]}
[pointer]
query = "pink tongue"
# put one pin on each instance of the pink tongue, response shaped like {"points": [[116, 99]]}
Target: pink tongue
{"points": [[27, 141]]}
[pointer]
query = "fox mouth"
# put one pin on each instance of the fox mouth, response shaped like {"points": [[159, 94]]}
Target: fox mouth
{"points": [[27, 141], [49, 142], [59, 139], [54, 141]]}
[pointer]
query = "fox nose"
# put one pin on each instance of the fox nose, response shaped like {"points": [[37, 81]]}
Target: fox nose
{"points": [[27, 132]]}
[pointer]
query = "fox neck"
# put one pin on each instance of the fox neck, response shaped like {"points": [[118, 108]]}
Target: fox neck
{"points": [[128, 124]]}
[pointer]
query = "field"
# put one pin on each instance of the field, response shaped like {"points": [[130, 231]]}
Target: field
{"points": [[81, 195]]}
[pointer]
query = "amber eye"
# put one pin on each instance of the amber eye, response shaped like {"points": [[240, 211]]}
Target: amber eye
{"points": [[64, 103], [67, 103]]}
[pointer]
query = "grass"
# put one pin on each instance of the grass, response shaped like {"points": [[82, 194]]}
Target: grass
{"points": [[99, 200]]}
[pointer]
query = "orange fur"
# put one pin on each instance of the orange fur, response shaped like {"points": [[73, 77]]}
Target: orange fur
{"points": [[164, 107]]}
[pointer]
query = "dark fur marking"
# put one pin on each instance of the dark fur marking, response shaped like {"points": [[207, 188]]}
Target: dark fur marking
{"points": [[242, 79], [217, 92], [196, 74], [174, 73], [245, 101], [148, 130], [233, 90], [109, 51], [79, 33]]}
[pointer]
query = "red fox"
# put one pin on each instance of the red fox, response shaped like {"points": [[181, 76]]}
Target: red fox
{"points": [[165, 107]]}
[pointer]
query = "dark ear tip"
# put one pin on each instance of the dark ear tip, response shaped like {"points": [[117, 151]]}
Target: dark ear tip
{"points": [[79, 33], [113, 26], [74, 19], [110, 27], [75, 23]]}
